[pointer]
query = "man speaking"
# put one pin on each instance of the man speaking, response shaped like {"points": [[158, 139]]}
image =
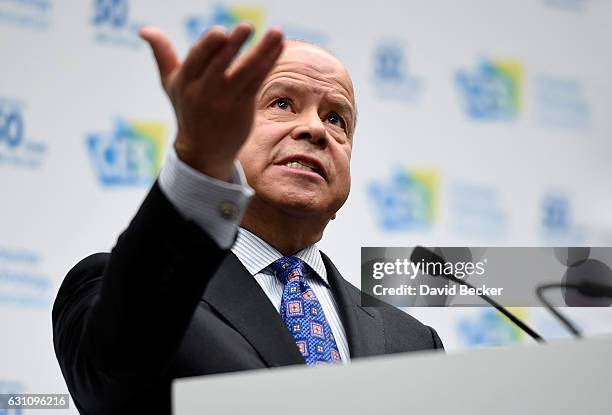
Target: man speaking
{"points": [[218, 271]]}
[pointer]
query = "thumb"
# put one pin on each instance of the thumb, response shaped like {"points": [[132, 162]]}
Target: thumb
{"points": [[166, 58]]}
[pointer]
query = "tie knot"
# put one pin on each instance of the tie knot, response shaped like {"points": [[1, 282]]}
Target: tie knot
{"points": [[288, 268]]}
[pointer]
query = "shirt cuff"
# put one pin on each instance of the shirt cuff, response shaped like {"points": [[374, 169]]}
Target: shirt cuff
{"points": [[214, 205]]}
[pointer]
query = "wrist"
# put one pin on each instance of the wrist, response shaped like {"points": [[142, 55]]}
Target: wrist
{"points": [[218, 168]]}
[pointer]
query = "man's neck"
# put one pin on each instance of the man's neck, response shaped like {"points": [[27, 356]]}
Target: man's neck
{"points": [[287, 234]]}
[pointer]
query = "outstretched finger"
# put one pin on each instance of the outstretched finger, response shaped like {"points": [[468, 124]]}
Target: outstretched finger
{"points": [[165, 56], [217, 66], [201, 53], [254, 83], [254, 66]]}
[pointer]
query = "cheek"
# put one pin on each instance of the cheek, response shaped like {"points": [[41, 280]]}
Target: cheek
{"points": [[343, 162], [260, 147], [343, 169], [253, 157]]}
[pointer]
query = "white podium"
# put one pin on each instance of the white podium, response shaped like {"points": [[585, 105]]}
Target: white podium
{"points": [[567, 377]]}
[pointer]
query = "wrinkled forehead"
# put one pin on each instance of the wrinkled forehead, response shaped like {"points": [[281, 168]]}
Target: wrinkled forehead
{"points": [[306, 60]]}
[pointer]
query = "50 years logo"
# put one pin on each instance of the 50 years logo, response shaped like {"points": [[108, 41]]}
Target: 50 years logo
{"points": [[111, 12], [15, 147], [392, 77], [113, 25]]}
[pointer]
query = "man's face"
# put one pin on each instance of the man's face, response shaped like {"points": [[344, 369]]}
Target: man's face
{"points": [[298, 153]]}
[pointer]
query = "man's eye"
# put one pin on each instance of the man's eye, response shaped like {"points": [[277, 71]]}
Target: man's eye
{"points": [[282, 103], [335, 119]]}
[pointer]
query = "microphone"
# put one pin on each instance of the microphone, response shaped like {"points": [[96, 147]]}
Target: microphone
{"points": [[588, 289], [421, 253], [594, 290], [586, 283]]}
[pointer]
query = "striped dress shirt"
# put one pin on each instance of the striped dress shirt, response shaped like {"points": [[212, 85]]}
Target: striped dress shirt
{"points": [[217, 207]]}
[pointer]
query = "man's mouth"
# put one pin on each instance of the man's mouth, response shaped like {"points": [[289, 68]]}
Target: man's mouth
{"points": [[305, 164], [302, 166]]}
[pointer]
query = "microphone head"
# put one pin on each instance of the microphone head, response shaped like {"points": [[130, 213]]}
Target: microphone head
{"points": [[420, 253], [572, 255], [596, 275], [440, 256], [432, 256], [595, 290]]}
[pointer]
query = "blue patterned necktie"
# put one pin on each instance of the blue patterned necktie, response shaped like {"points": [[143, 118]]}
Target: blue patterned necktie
{"points": [[303, 314]]}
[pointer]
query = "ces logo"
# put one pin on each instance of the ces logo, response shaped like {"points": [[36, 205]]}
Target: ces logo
{"points": [[15, 148], [130, 155], [226, 16], [492, 90], [408, 201]]}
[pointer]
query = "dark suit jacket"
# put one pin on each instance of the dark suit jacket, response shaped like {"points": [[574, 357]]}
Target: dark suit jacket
{"points": [[169, 303]]}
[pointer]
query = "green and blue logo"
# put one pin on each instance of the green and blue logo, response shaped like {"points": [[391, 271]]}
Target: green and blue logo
{"points": [[409, 201], [490, 328], [130, 155], [493, 90], [227, 16]]}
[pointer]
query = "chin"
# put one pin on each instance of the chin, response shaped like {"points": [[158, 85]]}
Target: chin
{"points": [[298, 199], [298, 204], [301, 206]]}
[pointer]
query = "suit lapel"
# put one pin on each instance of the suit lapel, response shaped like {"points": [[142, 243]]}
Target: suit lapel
{"points": [[234, 293], [363, 326]]}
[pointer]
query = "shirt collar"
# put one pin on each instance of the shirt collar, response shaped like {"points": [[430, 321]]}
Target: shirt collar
{"points": [[256, 254]]}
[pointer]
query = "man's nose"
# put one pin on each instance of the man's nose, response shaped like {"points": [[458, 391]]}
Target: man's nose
{"points": [[311, 128]]}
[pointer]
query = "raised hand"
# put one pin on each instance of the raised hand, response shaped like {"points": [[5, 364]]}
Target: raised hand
{"points": [[212, 93]]}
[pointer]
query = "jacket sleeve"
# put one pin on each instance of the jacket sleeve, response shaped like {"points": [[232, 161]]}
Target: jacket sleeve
{"points": [[119, 317]]}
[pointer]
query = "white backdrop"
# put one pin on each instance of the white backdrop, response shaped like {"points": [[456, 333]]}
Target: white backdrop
{"points": [[480, 123]]}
